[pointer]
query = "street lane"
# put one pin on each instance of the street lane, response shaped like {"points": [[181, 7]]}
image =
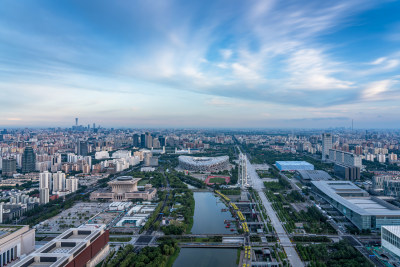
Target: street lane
{"points": [[287, 245]]}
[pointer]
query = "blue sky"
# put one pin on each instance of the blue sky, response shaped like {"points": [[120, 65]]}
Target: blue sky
{"points": [[200, 63]]}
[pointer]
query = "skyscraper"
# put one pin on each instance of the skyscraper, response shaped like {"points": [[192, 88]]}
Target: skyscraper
{"points": [[45, 181], [58, 181], [162, 140], [9, 167], [326, 145], [83, 148], [135, 141], [149, 140], [72, 184], [142, 140], [44, 195], [28, 160]]}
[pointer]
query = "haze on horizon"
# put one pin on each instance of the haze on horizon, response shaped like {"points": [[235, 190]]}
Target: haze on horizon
{"points": [[200, 63]]}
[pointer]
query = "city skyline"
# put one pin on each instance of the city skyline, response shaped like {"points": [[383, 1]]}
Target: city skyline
{"points": [[260, 64]]}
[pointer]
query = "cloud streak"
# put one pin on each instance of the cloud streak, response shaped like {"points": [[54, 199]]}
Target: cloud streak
{"points": [[269, 53]]}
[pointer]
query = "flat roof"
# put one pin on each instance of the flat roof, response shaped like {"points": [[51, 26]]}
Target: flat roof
{"points": [[293, 163], [6, 230], [57, 251], [361, 203], [314, 175]]}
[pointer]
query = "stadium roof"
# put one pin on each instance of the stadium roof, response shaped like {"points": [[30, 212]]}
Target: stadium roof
{"points": [[203, 161]]}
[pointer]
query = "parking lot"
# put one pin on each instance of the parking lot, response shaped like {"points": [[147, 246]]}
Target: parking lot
{"points": [[72, 217]]}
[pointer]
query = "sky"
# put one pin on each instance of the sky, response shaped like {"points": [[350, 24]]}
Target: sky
{"points": [[203, 63]]}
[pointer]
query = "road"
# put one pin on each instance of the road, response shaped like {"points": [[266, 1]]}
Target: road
{"points": [[287, 245]]}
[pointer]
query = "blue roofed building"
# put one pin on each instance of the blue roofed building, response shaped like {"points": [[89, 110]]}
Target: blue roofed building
{"points": [[294, 165]]}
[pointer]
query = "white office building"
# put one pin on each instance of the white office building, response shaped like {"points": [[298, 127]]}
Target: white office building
{"points": [[345, 158], [390, 238], [45, 180], [58, 181], [326, 145], [72, 184], [44, 195]]}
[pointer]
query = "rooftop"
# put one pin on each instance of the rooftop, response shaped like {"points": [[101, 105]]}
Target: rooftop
{"points": [[356, 199], [293, 163], [6, 230], [314, 175]]}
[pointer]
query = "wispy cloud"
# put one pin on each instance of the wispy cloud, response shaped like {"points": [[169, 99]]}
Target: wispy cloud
{"points": [[215, 52]]}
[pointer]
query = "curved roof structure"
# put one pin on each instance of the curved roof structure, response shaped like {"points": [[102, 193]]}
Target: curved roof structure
{"points": [[203, 160], [208, 164]]}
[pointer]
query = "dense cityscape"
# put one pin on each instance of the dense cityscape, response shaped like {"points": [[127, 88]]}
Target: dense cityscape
{"points": [[165, 197]]}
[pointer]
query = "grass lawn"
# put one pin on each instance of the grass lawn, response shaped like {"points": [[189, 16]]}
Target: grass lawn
{"points": [[143, 182], [217, 180], [120, 239]]}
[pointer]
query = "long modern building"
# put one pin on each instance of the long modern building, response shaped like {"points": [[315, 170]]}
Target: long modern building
{"points": [[294, 165], [86, 245], [363, 210], [15, 241], [204, 164], [312, 175]]}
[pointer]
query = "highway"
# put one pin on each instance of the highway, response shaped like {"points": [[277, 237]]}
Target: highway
{"points": [[258, 185]]}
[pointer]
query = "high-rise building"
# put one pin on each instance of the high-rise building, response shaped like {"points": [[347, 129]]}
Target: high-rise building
{"points": [[72, 184], [142, 140], [358, 150], [135, 141], [149, 140], [326, 145], [1, 212], [9, 167], [156, 143], [58, 181], [45, 181], [44, 195], [162, 140], [28, 160], [83, 148]]}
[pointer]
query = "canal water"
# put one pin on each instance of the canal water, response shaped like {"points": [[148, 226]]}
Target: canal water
{"points": [[206, 257], [208, 219]]}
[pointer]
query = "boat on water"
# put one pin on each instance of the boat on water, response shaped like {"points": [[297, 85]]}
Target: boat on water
{"points": [[224, 210], [227, 226], [232, 230]]}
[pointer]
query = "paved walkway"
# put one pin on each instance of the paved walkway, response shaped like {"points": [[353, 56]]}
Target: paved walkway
{"points": [[287, 245]]}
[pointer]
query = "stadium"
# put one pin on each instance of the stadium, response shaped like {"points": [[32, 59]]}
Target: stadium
{"points": [[204, 164]]}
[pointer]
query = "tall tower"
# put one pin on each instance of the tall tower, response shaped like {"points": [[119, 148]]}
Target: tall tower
{"points": [[242, 175], [28, 160], [76, 121], [326, 145]]}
